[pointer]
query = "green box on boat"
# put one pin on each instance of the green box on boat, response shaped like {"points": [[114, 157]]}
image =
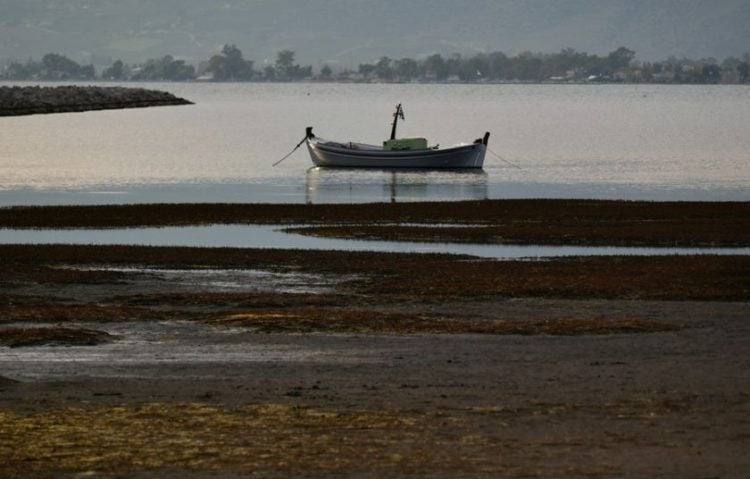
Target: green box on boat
{"points": [[405, 144]]}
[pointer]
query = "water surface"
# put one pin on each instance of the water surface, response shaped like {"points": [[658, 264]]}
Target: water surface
{"points": [[267, 236], [584, 141]]}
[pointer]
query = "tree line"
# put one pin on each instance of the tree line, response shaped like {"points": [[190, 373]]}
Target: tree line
{"points": [[568, 65]]}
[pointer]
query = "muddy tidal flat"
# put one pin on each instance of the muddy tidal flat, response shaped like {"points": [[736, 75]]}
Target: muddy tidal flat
{"points": [[134, 361]]}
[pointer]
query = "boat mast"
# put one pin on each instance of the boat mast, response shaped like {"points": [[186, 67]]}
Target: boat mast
{"points": [[399, 113]]}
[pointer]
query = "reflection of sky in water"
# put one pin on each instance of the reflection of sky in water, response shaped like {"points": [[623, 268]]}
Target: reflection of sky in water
{"points": [[340, 186], [254, 236], [234, 280], [163, 350], [358, 185]]}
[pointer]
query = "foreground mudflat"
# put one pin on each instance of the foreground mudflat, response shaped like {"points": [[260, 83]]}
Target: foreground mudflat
{"points": [[263, 363], [374, 405]]}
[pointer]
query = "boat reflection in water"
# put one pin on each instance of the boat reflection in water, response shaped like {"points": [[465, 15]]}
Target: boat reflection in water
{"points": [[350, 185]]}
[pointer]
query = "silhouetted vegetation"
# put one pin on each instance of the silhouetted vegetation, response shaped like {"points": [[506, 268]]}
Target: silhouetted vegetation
{"points": [[229, 65], [166, 68], [52, 67], [566, 66]]}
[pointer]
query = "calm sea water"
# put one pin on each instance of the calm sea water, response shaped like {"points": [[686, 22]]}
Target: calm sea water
{"points": [[585, 141]]}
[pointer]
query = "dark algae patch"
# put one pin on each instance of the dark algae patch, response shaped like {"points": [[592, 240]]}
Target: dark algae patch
{"points": [[34, 336], [364, 321], [258, 440], [56, 312], [197, 439]]}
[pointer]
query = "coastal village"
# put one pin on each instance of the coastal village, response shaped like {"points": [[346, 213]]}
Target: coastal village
{"points": [[567, 66]]}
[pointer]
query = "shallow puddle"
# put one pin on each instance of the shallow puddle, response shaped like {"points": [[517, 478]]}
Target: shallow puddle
{"points": [[236, 280], [166, 350], [272, 236]]}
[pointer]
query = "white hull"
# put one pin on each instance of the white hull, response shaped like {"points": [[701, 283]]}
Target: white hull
{"points": [[330, 154]]}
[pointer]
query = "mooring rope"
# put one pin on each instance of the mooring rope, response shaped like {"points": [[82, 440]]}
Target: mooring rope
{"points": [[504, 160], [290, 153]]}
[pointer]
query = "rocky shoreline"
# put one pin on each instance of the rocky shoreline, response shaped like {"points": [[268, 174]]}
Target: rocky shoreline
{"points": [[30, 100]]}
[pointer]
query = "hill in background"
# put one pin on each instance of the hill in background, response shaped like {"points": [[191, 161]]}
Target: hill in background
{"points": [[347, 32]]}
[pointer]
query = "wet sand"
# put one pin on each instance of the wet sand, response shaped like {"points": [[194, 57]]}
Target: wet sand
{"points": [[351, 364]]}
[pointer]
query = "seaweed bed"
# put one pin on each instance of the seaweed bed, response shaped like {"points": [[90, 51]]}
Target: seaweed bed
{"points": [[278, 440], [20, 337]]}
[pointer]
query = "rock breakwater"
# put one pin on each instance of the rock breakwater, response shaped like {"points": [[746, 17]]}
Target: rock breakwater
{"points": [[16, 100]]}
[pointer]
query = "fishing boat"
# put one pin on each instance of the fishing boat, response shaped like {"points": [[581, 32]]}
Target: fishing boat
{"points": [[395, 153]]}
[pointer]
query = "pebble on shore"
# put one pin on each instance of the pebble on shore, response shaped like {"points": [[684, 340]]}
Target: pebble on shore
{"points": [[29, 100]]}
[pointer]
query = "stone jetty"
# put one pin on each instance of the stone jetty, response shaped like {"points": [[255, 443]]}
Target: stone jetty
{"points": [[30, 100]]}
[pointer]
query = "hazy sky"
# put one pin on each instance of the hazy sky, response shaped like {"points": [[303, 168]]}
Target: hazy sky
{"points": [[352, 31]]}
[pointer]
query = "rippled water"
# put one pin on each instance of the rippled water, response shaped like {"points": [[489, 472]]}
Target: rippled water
{"points": [[594, 141]]}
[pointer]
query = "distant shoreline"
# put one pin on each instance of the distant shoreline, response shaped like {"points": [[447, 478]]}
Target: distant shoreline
{"points": [[97, 81], [31, 100]]}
